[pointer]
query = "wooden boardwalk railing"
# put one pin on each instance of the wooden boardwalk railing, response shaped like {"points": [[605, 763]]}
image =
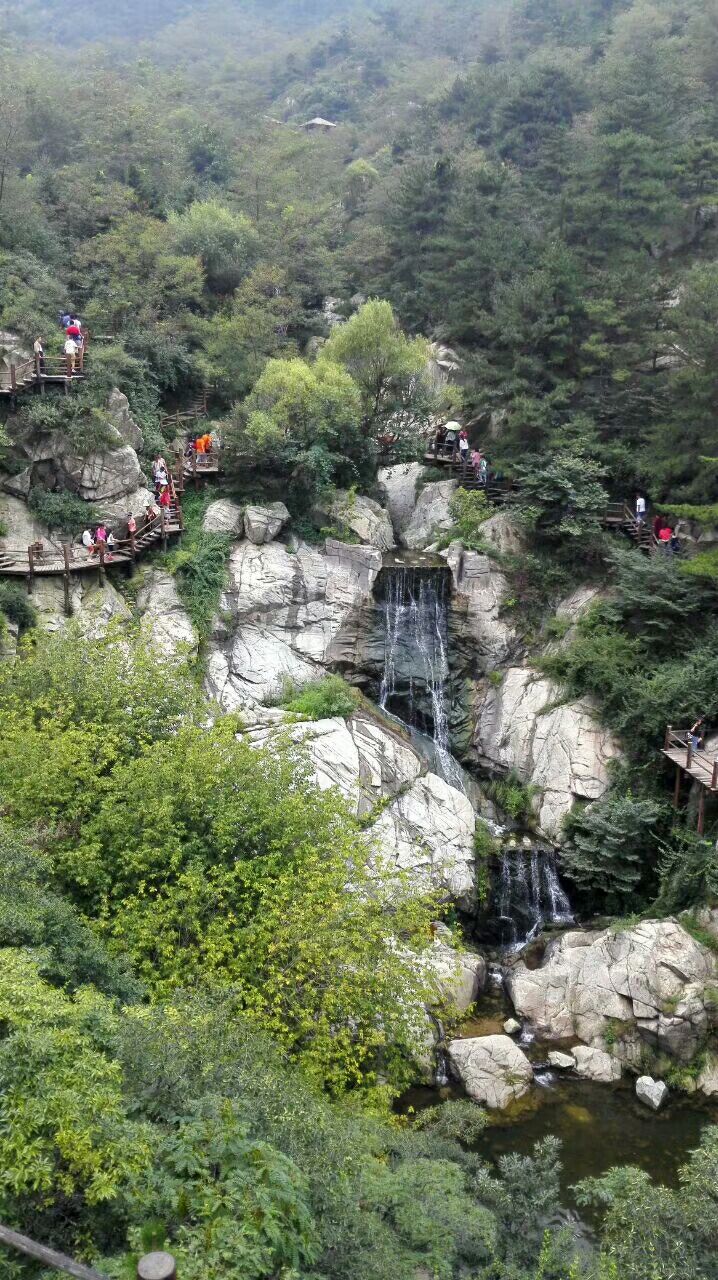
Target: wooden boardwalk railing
{"points": [[27, 375], [153, 1266], [693, 762]]}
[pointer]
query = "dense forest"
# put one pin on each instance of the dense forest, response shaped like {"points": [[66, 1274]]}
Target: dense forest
{"points": [[202, 1034]]}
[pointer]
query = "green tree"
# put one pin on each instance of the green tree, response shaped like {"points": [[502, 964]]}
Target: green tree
{"points": [[611, 845], [386, 366], [561, 496], [225, 242]]}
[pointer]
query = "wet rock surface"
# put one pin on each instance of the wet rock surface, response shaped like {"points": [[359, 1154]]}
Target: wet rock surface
{"points": [[492, 1069]]}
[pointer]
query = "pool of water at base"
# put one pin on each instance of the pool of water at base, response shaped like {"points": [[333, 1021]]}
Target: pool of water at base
{"points": [[599, 1126]]}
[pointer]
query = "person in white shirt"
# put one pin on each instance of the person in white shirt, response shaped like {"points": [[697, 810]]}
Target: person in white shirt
{"points": [[39, 355], [70, 353], [88, 541], [640, 509]]}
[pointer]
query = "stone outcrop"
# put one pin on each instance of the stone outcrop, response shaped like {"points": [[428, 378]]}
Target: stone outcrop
{"points": [[431, 515], [12, 351], [224, 516], [647, 986], [287, 614], [363, 517], [164, 617], [492, 1069], [94, 607], [479, 634], [561, 1061], [596, 1064], [263, 523], [118, 408], [398, 485], [521, 725], [654, 1093], [427, 829], [22, 527], [458, 977]]}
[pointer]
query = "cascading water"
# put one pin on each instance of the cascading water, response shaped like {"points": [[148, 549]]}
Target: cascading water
{"points": [[414, 603], [529, 896]]}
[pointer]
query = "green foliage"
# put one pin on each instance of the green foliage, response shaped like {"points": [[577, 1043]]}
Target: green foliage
{"points": [[225, 242], [651, 1230], [16, 606], [561, 496], [200, 565], [469, 509], [60, 510], [321, 699], [609, 846], [688, 871], [513, 795]]}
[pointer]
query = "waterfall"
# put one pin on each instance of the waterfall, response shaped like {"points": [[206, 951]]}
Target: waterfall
{"points": [[529, 896], [414, 603]]}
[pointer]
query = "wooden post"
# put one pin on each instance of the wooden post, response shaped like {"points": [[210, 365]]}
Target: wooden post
{"points": [[701, 810], [13, 379], [689, 754], [101, 552], [163, 528], [194, 468], [714, 778], [667, 740], [157, 1266], [677, 788], [31, 567], [66, 580], [133, 552]]}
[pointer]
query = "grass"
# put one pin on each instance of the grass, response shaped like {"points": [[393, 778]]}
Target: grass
{"points": [[513, 796], [200, 565], [320, 699]]}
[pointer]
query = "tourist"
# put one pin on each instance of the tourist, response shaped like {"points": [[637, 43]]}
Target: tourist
{"points": [[151, 513], [70, 353], [89, 542], [39, 351], [101, 535], [484, 470], [199, 445], [675, 543], [439, 441], [165, 498], [110, 543], [664, 539], [476, 464], [73, 329], [131, 525], [464, 449], [65, 319], [695, 734], [640, 508]]}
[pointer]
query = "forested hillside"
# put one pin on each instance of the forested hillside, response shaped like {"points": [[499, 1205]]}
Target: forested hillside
{"points": [[215, 986]]}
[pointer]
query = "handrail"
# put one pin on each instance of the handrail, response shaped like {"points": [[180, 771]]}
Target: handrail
{"points": [[48, 1257]]}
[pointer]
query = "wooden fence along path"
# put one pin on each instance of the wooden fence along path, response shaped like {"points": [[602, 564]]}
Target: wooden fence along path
{"points": [[153, 1266], [692, 762], [617, 516], [36, 373]]}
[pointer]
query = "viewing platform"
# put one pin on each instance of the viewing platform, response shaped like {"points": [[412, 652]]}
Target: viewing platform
{"points": [[695, 763]]}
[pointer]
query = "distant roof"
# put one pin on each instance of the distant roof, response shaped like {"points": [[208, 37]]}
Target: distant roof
{"points": [[319, 122]]}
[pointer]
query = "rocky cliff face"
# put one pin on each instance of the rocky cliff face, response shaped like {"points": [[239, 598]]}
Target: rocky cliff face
{"points": [[648, 987]]}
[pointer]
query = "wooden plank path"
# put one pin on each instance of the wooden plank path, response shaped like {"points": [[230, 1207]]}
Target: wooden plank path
{"points": [[693, 762], [616, 516]]}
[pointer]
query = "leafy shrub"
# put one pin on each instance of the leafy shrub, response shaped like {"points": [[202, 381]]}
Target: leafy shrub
{"points": [[688, 871], [201, 570], [469, 509], [60, 510], [322, 699], [14, 603], [609, 846], [513, 796]]}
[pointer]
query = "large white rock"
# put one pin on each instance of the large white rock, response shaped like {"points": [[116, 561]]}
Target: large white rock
{"points": [[22, 527], [492, 1069], [646, 984], [263, 523], [93, 606], [291, 613], [366, 519], [398, 487], [522, 725], [118, 407], [707, 1081], [595, 1064], [431, 515], [479, 592], [561, 1061], [651, 1092], [224, 516], [164, 617], [457, 977], [428, 828]]}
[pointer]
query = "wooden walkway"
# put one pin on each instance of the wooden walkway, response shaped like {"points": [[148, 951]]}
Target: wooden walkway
{"points": [[697, 764], [617, 516], [32, 375]]}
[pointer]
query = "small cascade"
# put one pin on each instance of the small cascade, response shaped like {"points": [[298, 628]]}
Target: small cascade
{"points": [[529, 896], [414, 602]]}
